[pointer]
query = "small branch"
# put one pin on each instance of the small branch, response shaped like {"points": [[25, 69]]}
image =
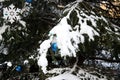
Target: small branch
{"points": [[104, 59], [74, 66]]}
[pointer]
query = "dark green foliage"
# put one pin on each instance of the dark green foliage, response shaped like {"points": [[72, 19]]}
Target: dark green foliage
{"points": [[89, 23], [22, 42], [88, 48], [101, 26], [73, 19], [17, 3], [1, 20]]}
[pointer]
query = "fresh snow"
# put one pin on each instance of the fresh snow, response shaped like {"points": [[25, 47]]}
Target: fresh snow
{"points": [[64, 37], [42, 59], [86, 29]]}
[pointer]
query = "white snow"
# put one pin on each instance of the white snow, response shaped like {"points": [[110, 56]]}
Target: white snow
{"points": [[5, 51], [110, 65], [86, 29], [79, 0], [58, 70], [2, 30], [42, 61], [22, 22], [26, 62], [31, 57], [66, 76], [64, 37]]}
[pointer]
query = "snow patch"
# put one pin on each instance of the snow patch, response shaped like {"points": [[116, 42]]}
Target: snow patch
{"points": [[42, 60], [23, 23], [2, 30], [66, 76]]}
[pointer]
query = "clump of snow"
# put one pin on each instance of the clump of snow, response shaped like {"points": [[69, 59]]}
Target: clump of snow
{"points": [[5, 51], [9, 64], [31, 57], [22, 22], [42, 60], [26, 62], [64, 37]]}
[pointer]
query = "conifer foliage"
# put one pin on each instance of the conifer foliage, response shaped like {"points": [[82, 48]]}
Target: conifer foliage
{"points": [[41, 32]]}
